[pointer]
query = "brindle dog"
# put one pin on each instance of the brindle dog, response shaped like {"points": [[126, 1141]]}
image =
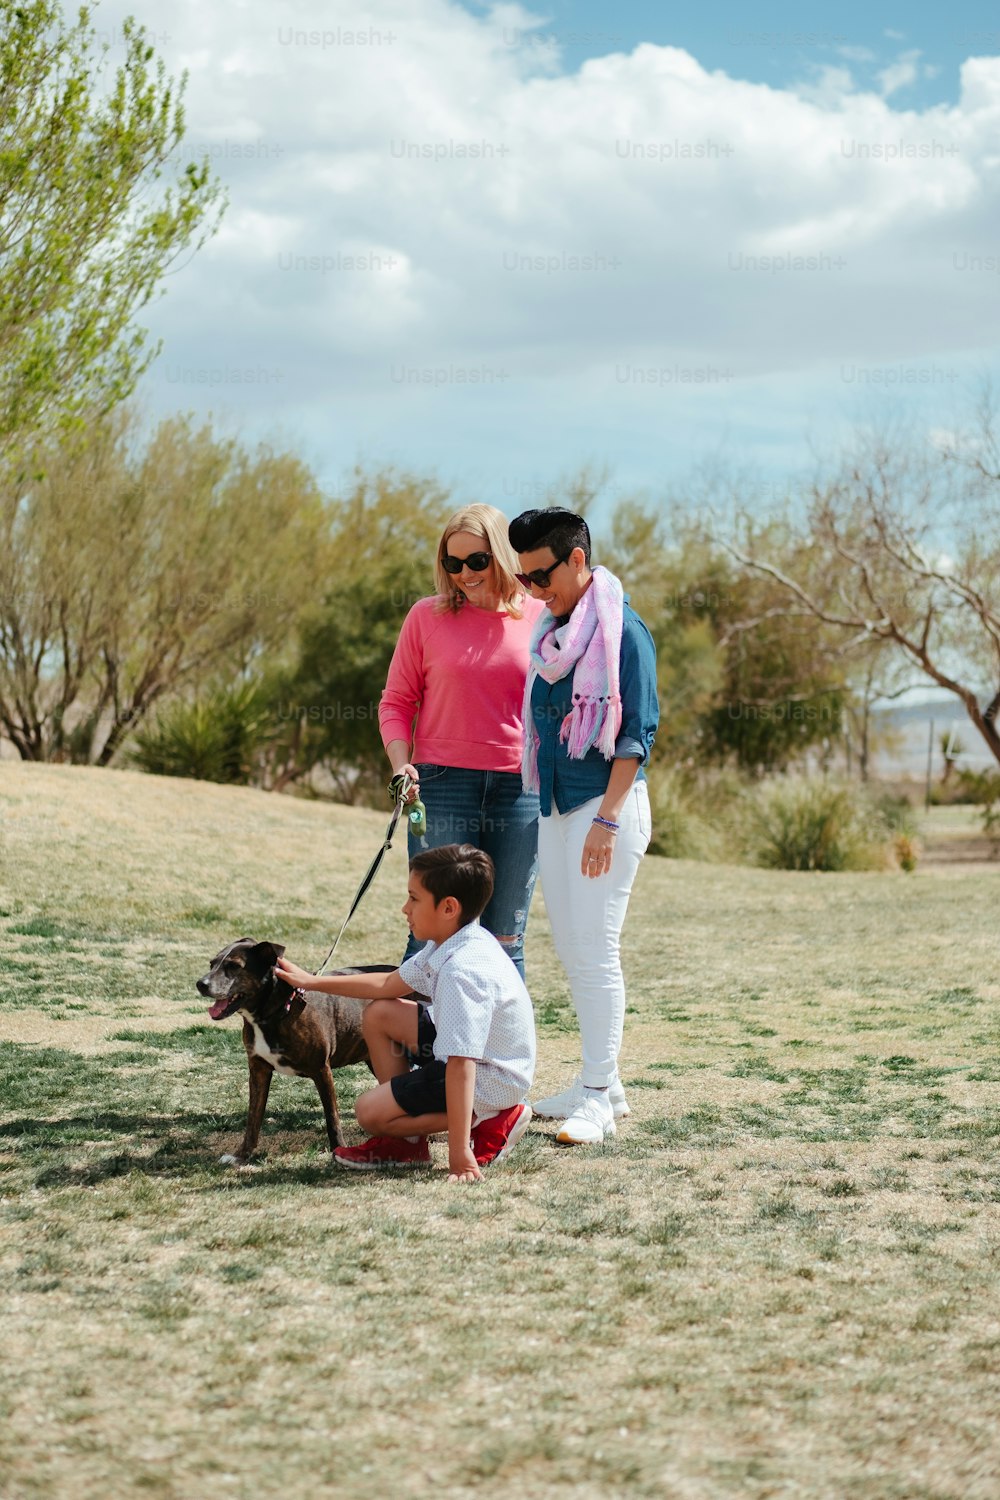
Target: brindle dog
{"points": [[284, 1030]]}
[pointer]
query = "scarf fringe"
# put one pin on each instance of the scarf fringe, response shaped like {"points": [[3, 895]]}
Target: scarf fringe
{"points": [[608, 736], [591, 723]]}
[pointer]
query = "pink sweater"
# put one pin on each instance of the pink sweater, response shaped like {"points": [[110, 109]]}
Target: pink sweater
{"points": [[462, 675]]}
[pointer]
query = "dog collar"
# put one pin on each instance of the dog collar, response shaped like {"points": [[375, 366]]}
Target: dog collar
{"points": [[295, 995]]}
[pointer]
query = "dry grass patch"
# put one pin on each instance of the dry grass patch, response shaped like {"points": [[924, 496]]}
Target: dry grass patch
{"points": [[778, 1279]]}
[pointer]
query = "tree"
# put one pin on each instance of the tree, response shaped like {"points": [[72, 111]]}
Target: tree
{"points": [[902, 550], [875, 675], [87, 226], [663, 568], [782, 693], [384, 535], [131, 572], [736, 679]]}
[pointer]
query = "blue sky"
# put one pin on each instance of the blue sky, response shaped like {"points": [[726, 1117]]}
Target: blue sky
{"points": [[780, 43], [499, 243]]}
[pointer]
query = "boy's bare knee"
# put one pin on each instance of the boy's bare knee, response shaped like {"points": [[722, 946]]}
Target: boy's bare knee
{"points": [[508, 942], [367, 1110], [373, 1017]]}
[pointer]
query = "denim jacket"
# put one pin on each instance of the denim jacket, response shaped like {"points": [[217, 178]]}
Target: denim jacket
{"points": [[569, 783]]}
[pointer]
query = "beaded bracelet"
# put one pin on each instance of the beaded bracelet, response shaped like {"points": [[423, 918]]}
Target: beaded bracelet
{"points": [[607, 823]]}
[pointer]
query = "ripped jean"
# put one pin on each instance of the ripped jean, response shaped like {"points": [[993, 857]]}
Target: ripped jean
{"points": [[491, 810]]}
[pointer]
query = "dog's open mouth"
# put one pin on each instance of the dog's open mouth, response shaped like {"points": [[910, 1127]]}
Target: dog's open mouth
{"points": [[220, 1009]]}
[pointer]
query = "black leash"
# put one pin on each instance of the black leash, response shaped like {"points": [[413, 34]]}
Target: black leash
{"points": [[399, 788]]}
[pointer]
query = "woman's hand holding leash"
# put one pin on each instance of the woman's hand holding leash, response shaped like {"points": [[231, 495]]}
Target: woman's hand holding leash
{"points": [[405, 791], [413, 776]]}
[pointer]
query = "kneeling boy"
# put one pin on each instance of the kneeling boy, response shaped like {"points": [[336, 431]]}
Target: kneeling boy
{"points": [[476, 1057]]}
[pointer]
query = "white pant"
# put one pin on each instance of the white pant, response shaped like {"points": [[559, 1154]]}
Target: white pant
{"points": [[587, 917]]}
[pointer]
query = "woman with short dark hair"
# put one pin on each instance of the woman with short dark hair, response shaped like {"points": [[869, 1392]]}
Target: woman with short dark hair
{"points": [[591, 711]]}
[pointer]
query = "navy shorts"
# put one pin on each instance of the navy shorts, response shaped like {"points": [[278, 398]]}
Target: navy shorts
{"points": [[421, 1091]]}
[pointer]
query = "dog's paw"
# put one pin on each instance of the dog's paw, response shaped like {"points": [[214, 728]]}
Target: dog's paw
{"points": [[231, 1161]]}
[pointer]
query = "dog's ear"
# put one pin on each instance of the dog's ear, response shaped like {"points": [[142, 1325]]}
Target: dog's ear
{"points": [[263, 957]]}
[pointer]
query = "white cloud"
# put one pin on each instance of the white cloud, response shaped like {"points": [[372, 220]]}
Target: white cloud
{"points": [[899, 74], [377, 186]]}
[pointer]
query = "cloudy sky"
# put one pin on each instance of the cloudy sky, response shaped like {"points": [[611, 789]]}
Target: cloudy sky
{"points": [[497, 243]]}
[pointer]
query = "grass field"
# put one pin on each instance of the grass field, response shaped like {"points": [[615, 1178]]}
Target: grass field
{"points": [[779, 1279]]}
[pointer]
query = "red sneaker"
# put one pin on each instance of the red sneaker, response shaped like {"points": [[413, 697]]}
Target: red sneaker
{"points": [[384, 1151], [495, 1138]]}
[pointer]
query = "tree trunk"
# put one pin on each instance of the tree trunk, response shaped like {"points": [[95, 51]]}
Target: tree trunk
{"points": [[986, 723]]}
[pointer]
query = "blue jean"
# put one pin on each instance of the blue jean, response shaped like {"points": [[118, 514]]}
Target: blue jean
{"points": [[491, 810]]}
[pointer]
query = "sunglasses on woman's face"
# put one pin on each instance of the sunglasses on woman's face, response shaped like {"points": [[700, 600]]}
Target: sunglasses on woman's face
{"points": [[476, 562], [540, 577]]}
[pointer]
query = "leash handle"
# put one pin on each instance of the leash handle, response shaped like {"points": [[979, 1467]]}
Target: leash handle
{"points": [[399, 789]]}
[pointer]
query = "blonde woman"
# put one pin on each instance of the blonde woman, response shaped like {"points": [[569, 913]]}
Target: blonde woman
{"points": [[450, 715]]}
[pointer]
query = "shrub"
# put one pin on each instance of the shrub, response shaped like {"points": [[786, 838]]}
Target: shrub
{"points": [[907, 852], [898, 813], [681, 829], [991, 825], [814, 823], [786, 823], [967, 789], [215, 738], [982, 788]]}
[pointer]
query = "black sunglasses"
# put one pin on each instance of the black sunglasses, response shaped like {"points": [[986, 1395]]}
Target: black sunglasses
{"points": [[476, 562], [540, 577]]}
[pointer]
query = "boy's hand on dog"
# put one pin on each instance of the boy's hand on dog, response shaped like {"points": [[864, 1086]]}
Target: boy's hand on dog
{"points": [[463, 1167], [299, 979]]}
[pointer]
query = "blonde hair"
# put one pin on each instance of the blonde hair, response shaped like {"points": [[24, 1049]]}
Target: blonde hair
{"points": [[490, 524]]}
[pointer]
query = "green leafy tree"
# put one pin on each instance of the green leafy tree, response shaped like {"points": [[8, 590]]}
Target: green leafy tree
{"points": [[89, 216], [131, 573], [668, 576], [384, 535], [737, 680], [782, 693]]}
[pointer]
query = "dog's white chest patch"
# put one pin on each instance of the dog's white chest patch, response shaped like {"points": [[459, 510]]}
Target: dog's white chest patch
{"points": [[264, 1052]]}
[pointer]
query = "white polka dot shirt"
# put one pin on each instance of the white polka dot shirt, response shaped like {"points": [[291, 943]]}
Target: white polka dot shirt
{"points": [[481, 1009]]}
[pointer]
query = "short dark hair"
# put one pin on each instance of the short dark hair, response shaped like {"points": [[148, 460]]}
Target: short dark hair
{"points": [[556, 528], [459, 870]]}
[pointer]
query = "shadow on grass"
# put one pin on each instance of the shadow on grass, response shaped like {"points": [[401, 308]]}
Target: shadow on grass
{"points": [[219, 1179], [175, 1148], [180, 1148]]}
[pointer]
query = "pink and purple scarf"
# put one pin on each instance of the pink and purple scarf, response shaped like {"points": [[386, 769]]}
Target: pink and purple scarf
{"points": [[590, 644]]}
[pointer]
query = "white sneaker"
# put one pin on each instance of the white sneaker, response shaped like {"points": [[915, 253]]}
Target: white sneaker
{"points": [[561, 1106], [589, 1123]]}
